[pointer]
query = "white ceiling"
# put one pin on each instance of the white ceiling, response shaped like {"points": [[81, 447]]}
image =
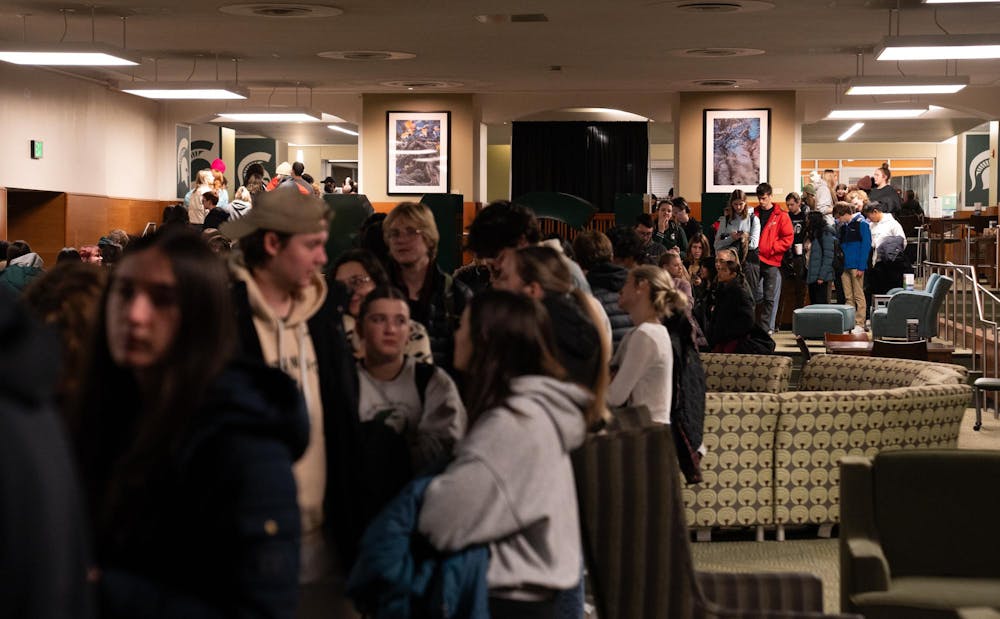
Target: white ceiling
{"points": [[622, 55]]}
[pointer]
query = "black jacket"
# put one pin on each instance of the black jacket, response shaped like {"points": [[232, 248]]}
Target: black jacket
{"points": [[577, 338], [43, 550], [732, 314], [441, 305], [217, 533], [606, 280], [346, 484]]}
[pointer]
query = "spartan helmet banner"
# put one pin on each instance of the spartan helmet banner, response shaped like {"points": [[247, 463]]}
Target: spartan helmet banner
{"points": [[977, 169]]}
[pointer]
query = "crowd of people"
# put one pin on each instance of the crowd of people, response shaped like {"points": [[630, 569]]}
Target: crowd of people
{"points": [[238, 412]]}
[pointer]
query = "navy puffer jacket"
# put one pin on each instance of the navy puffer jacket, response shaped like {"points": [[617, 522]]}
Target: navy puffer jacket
{"points": [[606, 280]]}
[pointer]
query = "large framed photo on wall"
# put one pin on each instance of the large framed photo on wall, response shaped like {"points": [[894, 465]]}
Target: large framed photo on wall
{"points": [[419, 148], [737, 149]]}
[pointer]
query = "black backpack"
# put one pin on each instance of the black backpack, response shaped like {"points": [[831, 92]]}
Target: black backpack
{"points": [[687, 410]]}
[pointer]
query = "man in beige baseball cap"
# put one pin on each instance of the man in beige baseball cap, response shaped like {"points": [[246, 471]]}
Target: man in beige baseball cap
{"points": [[285, 319]]}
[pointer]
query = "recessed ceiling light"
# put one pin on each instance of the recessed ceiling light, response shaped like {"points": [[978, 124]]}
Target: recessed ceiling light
{"points": [[272, 114], [854, 129], [899, 85], [716, 7], [876, 113], [66, 55], [184, 90], [940, 47]]}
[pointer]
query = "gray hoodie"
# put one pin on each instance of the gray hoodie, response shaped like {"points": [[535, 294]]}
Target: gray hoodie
{"points": [[511, 486]]}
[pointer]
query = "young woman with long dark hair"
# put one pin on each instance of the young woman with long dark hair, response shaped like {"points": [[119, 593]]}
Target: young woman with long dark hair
{"points": [[511, 483], [186, 455]]}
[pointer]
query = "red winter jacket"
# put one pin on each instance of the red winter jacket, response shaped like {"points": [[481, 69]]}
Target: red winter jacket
{"points": [[776, 237]]}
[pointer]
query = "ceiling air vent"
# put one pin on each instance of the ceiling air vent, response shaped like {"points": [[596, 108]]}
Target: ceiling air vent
{"points": [[717, 52], [714, 7], [422, 84], [724, 83], [517, 18], [275, 10], [367, 55]]}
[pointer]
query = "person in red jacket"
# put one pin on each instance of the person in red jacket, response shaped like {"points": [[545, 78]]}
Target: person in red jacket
{"points": [[776, 235]]}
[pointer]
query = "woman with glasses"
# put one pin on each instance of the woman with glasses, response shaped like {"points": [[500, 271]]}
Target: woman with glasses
{"points": [[361, 272], [436, 300]]}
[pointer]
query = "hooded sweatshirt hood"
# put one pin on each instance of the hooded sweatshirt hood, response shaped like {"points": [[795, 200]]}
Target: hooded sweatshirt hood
{"points": [[562, 402], [31, 260], [607, 276]]}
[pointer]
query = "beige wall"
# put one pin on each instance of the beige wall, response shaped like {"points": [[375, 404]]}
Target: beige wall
{"points": [[498, 172], [464, 140], [689, 130], [661, 152], [946, 157], [96, 140]]}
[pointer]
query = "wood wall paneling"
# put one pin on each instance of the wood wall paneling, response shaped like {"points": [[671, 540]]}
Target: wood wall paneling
{"points": [[38, 217], [88, 218], [3, 214]]}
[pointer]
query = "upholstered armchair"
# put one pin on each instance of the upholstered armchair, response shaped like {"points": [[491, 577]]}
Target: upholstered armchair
{"points": [[918, 534], [636, 542], [928, 285], [891, 321]]}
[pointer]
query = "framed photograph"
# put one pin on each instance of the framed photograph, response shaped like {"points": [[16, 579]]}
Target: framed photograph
{"points": [[737, 146], [419, 148]]}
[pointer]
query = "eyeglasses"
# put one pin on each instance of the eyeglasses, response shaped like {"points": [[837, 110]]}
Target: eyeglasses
{"points": [[356, 281], [404, 233]]}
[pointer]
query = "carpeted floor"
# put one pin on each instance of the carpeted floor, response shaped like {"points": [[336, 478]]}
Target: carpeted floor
{"points": [[817, 556]]}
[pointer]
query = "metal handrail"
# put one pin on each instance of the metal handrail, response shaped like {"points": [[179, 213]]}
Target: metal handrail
{"points": [[985, 306]]}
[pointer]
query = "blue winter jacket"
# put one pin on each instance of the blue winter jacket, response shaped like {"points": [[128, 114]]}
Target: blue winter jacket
{"points": [[398, 574], [820, 265], [856, 243]]}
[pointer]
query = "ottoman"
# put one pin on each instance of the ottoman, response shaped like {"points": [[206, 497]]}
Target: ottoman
{"points": [[813, 321]]}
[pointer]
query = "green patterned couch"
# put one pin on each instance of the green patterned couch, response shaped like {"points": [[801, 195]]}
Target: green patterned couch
{"points": [[773, 454]]}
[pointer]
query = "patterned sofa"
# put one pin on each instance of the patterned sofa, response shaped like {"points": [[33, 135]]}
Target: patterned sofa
{"points": [[773, 454]]}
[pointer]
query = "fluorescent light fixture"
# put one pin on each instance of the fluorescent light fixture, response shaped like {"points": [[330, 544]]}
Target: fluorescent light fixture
{"points": [[899, 85], [65, 55], [854, 129], [960, 1], [342, 130], [184, 90], [940, 47], [875, 113], [272, 115]]}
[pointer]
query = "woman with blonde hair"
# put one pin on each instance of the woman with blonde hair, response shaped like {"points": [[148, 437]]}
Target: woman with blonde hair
{"points": [[643, 363]]}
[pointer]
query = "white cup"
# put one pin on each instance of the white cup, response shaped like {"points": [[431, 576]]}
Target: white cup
{"points": [[798, 249], [908, 280]]}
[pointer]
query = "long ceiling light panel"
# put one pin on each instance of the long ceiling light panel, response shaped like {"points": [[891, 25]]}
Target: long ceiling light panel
{"points": [[899, 85], [65, 55], [184, 90], [854, 129], [272, 115], [875, 113], [940, 47]]}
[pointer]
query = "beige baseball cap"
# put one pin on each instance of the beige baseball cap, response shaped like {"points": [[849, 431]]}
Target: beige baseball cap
{"points": [[285, 209]]}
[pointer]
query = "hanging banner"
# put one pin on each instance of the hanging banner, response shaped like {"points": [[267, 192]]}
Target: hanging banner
{"points": [[977, 169], [254, 150], [183, 149]]}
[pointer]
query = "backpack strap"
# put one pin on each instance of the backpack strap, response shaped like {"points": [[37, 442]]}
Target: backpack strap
{"points": [[422, 374]]}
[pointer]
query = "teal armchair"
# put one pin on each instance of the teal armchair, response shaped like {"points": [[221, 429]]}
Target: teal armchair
{"points": [[917, 534], [891, 321]]}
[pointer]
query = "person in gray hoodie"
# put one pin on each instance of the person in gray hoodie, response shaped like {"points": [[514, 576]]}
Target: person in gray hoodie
{"points": [[511, 484]]}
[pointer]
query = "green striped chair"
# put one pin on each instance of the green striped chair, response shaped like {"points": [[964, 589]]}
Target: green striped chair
{"points": [[636, 541]]}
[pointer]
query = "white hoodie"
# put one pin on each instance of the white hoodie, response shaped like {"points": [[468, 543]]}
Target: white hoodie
{"points": [[511, 486]]}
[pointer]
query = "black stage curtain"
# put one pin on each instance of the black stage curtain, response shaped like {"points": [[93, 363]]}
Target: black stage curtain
{"points": [[592, 160]]}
